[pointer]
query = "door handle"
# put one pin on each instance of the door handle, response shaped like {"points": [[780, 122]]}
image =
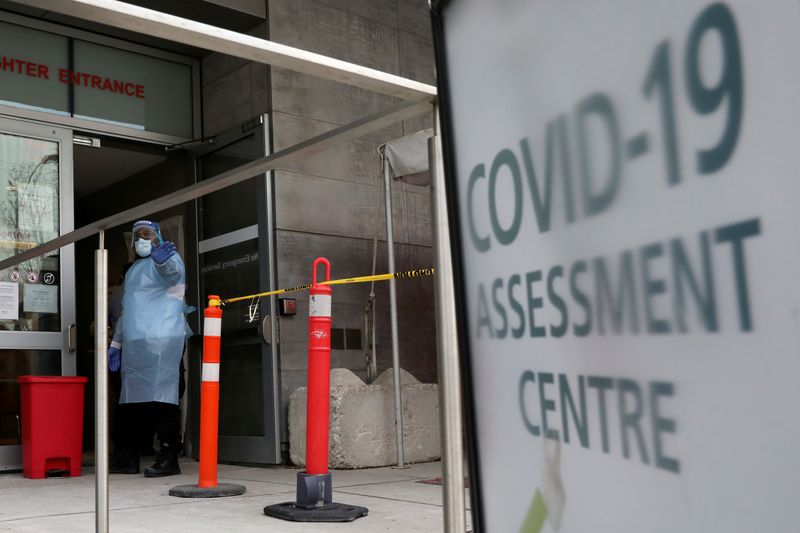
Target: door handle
{"points": [[72, 338], [266, 330]]}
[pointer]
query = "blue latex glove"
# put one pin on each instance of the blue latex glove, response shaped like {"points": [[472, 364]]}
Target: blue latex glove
{"points": [[163, 252], [114, 355]]}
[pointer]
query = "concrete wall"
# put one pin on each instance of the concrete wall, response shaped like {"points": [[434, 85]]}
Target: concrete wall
{"points": [[326, 204]]}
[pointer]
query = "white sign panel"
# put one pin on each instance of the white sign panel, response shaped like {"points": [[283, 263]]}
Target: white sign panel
{"points": [[40, 299], [627, 183], [9, 301]]}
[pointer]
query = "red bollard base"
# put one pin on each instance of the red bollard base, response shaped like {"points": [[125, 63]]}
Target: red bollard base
{"points": [[314, 503], [220, 491], [314, 490], [334, 512]]}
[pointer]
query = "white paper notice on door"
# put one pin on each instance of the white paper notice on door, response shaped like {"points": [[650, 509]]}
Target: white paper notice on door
{"points": [[9, 301], [40, 299]]}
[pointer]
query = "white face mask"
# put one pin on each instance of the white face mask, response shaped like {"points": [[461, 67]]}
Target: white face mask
{"points": [[143, 247]]}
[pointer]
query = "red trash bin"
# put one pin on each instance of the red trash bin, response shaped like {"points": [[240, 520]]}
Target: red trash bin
{"points": [[52, 425]]}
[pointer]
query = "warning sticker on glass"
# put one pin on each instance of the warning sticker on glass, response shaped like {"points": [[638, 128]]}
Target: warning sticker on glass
{"points": [[9, 301], [40, 299]]}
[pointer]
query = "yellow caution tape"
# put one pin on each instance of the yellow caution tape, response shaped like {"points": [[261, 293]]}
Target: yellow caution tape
{"points": [[363, 279]]}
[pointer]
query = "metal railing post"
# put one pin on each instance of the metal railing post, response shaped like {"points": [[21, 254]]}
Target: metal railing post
{"points": [[447, 347], [398, 400], [101, 386]]}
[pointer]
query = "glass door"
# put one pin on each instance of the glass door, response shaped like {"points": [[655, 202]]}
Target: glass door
{"points": [[236, 250], [37, 297]]}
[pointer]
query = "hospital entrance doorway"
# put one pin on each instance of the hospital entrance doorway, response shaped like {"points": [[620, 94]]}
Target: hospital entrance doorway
{"points": [[111, 175]]}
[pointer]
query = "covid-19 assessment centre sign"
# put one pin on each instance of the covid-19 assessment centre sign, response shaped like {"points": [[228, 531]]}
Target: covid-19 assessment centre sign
{"points": [[624, 177]]}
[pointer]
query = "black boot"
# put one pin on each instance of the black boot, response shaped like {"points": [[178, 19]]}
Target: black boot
{"points": [[166, 463], [123, 463]]}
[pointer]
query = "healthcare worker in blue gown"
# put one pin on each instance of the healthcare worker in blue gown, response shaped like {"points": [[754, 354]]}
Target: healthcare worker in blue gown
{"points": [[148, 346]]}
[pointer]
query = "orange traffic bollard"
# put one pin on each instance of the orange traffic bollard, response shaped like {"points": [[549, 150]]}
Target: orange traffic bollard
{"points": [[314, 501], [209, 394], [207, 486]]}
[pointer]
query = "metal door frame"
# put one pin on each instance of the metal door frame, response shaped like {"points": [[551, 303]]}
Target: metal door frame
{"points": [[10, 455], [248, 448]]}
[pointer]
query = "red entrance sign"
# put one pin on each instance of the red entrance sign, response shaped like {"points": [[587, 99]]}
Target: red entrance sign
{"points": [[85, 79], [99, 82]]}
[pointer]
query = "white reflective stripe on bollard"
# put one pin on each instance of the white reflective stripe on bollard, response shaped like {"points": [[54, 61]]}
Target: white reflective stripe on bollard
{"points": [[210, 371], [319, 305], [212, 327]]}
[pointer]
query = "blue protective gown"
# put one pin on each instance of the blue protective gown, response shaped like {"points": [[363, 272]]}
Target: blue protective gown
{"points": [[152, 331]]}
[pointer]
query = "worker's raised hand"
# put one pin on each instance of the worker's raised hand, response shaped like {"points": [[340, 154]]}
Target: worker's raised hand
{"points": [[163, 252], [114, 358]]}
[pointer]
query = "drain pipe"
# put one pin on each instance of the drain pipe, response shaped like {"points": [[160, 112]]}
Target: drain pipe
{"points": [[398, 401]]}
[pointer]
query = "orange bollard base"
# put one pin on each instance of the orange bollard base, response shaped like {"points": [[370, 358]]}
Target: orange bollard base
{"points": [[220, 491]]}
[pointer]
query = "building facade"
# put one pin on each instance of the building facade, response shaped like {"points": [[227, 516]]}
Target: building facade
{"points": [[95, 120]]}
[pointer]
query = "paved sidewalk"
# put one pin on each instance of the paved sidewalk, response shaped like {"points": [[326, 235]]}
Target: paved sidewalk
{"points": [[395, 499]]}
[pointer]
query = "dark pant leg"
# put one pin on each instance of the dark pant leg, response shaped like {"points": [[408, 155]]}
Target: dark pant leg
{"points": [[167, 418], [130, 418], [117, 422], [181, 380]]}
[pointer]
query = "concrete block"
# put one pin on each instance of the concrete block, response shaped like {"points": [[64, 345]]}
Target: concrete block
{"points": [[362, 425], [387, 378], [341, 377]]}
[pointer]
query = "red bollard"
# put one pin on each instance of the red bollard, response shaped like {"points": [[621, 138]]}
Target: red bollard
{"points": [[314, 501], [207, 486], [319, 372]]}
